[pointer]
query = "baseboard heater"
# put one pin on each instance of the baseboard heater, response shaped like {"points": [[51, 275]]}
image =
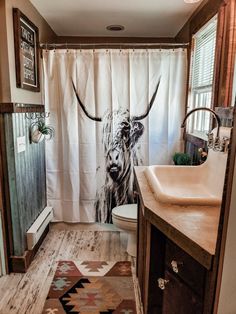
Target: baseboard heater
{"points": [[36, 230]]}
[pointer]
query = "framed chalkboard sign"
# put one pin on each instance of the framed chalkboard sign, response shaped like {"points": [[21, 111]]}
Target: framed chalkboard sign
{"points": [[26, 37]]}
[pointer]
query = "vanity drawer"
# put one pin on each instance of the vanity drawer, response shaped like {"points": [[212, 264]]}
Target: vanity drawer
{"points": [[186, 267]]}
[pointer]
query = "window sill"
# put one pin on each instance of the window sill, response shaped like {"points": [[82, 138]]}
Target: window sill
{"points": [[199, 134]]}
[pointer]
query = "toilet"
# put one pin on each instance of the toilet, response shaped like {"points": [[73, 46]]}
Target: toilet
{"points": [[125, 218]]}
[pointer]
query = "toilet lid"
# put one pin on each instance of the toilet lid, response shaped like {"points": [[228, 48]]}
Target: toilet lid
{"points": [[126, 212]]}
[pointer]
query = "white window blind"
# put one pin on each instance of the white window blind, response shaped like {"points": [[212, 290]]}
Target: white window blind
{"points": [[201, 79]]}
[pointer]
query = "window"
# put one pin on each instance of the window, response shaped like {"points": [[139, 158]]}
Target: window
{"points": [[201, 77]]}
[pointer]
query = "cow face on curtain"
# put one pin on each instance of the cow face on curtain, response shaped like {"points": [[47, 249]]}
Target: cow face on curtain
{"points": [[89, 162], [121, 133]]}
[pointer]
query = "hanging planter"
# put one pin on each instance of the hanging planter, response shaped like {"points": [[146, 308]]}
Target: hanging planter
{"points": [[37, 136], [39, 130]]}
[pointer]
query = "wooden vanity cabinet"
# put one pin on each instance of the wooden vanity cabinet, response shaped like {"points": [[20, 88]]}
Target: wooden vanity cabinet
{"points": [[152, 301], [179, 298], [184, 290], [159, 258]]}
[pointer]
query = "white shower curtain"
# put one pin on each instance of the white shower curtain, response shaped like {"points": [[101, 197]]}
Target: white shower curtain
{"points": [[97, 141]]}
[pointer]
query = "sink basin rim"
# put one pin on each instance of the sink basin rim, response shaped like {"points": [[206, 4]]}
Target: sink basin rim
{"points": [[206, 198]]}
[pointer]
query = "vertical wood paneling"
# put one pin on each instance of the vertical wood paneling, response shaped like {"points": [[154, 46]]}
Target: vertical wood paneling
{"points": [[27, 181]]}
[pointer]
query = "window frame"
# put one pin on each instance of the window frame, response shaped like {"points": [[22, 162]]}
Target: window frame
{"points": [[195, 91]]}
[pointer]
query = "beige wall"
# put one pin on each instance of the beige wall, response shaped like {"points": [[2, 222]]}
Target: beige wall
{"points": [[5, 93], [10, 93], [227, 301]]}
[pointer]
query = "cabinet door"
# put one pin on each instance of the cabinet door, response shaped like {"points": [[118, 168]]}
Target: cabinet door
{"points": [[178, 298]]}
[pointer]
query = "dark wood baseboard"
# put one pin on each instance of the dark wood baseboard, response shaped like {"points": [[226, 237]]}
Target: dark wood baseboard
{"points": [[20, 264], [20, 108]]}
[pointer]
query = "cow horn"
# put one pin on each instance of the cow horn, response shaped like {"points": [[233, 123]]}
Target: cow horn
{"points": [[83, 107], [149, 107]]}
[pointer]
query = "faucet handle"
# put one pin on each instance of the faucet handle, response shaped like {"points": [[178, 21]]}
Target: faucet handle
{"points": [[210, 140], [224, 144], [217, 144]]}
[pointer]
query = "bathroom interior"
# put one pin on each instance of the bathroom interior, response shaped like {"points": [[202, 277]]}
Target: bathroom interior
{"points": [[117, 156]]}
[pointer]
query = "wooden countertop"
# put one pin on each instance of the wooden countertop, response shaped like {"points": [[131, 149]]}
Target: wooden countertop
{"points": [[193, 228]]}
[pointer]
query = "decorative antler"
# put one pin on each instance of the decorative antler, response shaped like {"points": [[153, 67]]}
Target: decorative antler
{"points": [[83, 107], [149, 107]]}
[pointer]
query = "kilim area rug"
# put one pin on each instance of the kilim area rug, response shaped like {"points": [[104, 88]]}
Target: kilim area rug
{"points": [[85, 287]]}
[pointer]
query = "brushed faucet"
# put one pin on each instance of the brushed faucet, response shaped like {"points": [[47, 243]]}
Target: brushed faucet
{"points": [[212, 142]]}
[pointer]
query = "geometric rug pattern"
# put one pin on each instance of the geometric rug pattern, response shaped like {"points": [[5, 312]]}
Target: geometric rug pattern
{"points": [[91, 287]]}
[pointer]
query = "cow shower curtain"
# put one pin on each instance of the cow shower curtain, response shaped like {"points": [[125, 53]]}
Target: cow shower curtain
{"points": [[111, 109]]}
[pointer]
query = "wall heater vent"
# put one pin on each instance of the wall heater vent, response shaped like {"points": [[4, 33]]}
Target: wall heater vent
{"points": [[36, 230]]}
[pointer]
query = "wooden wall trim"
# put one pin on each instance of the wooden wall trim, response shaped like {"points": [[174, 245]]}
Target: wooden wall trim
{"points": [[20, 108], [219, 55], [208, 11], [108, 40], [200, 17], [227, 64]]}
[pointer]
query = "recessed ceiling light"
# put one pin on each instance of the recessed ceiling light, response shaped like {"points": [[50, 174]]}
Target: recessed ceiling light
{"points": [[115, 28], [191, 1]]}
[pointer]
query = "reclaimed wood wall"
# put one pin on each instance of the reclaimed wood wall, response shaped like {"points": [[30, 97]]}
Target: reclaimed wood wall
{"points": [[27, 178]]}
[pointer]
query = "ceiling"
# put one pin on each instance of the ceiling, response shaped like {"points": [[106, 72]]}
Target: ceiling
{"points": [[141, 18]]}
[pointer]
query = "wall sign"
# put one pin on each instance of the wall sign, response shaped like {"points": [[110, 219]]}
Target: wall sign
{"points": [[26, 52]]}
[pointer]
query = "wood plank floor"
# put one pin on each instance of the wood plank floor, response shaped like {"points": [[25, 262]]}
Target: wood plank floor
{"points": [[26, 293]]}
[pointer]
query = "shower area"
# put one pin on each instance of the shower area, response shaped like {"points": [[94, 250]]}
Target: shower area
{"points": [[112, 109]]}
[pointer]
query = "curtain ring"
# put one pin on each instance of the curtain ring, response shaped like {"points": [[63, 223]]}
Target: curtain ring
{"points": [[31, 116], [27, 115], [37, 115]]}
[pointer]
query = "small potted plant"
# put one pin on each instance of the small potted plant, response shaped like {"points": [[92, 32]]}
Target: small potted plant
{"points": [[39, 131], [181, 159]]}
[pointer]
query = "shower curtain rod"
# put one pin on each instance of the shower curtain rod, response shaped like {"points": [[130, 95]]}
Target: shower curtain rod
{"points": [[106, 45]]}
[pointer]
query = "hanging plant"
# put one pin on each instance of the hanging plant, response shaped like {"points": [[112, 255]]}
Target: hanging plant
{"points": [[39, 131]]}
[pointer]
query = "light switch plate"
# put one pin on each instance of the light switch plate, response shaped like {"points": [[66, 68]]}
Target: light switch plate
{"points": [[21, 144]]}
